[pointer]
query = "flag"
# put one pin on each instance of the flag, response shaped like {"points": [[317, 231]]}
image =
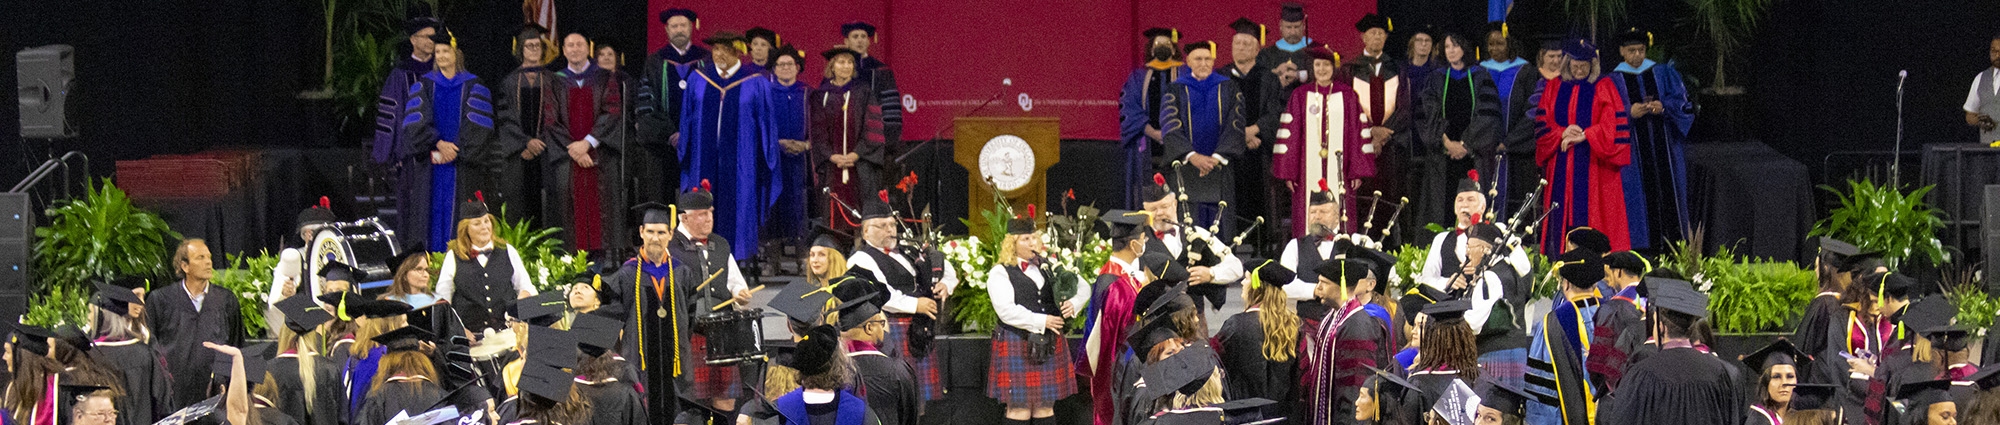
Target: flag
{"points": [[540, 12]]}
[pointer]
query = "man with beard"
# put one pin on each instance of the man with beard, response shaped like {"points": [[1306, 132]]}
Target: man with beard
{"points": [[1289, 60], [658, 109]]}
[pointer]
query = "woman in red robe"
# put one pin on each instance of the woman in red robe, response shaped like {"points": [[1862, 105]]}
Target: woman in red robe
{"points": [[1582, 145]]}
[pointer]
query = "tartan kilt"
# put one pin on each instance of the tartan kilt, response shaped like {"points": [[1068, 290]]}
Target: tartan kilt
{"points": [[712, 381], [1509, 366], [1013, 381], [897, 345]]}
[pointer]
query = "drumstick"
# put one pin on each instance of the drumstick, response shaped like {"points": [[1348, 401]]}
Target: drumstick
{"points": [[753, 291], [711, 278]]}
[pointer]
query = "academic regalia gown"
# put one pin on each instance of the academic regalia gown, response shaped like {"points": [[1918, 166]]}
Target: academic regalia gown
{"points": [[1617, 335], [1251, 374], [729, 137], [274, 416], [519, 103], [179, 329], [457, 109], [1130, 409], [658, 117], [1418, 80], [1505, 80], [389, 107], [612, 402], [1337, 347], [1263, 101], [882, 80], [1108, 318], [1659, 152], [1138, 108], [1523, 172], [1584, 180], [1282, 51], [1386, 96], [845, 119], [1462, 105], [788, 217], [1202, 116], [1815, 332], [586, 106], [657, 342], [360, 373], [888, 385], [1678, 386], [1852, 335], [147, 389], [397, 395], [1320, 138], [1433, 383], [1557, 378], [328, 402], [846, 409]]}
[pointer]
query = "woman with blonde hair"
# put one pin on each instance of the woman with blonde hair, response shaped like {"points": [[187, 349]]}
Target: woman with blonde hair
{"points": [[301, 369], [1261, 344], [825, 262], [481, 274], [1031, 367], [371, 319]]}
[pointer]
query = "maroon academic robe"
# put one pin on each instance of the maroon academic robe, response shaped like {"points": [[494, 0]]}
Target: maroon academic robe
{"points": [[1320, 138], [845, 119]]}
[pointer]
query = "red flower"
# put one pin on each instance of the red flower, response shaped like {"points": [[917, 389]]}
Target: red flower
{"points": [[884, 194], [907, 183], [1071, 194], [1159, 180]]}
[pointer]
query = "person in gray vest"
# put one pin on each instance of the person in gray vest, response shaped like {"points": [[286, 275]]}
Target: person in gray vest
{"points": [[481, 274], [1983, 103]]}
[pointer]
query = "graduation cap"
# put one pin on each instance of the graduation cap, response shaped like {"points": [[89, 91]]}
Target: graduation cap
{"points": [[1448, 310], [194, 412], [405, 254], [1158, 190], [1837, 252], [417, 24], [531, 31], [1812, 396], [1150, 332], [1126, 223], [837, 51], [1162, 268], [1358, 258], [472, 208], [443, 36], [828, 242], [788, 50], [1581, 267], [1292, 12], [1184, 372], [802, 303], [1171, 34], [1246, 26], [1780, 352], [679, 12], [1493, 27], [764, 33], [337, 271], [1678, 296], [1023, 224], [546, 381], [69, 393], [699, 197], [1161, 299], [115, 299], [551, 347], [1504, 398], [1986, 378], [1458, 405], [1272, 273], [407, 338], [1892, 285], [654, 213], [595, 280], [1920, 395], [1579, 49], [815, 350], [1389, 386], [542, 309], [1324, 195], [1372, 21], [1199, 45], [75, 338], [1249, 411], [1635, 36], [877, 207], [1588, 238], [254, 363], [1418, 297], [347, 306], [1486, 232], [851, 27], [856, 311], [317, 214], [1628, 261], [1948, 338], [32, 339], [595, 334]]}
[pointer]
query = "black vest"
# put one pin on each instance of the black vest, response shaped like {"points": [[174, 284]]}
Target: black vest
{"points": [[1308, 260], [903, 280], [716, 264], [1039, 300], [483, 293], [1448, 262]]}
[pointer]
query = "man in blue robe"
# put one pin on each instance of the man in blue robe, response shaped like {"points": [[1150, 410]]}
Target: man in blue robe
{"points": [[1201, 123], [1661, 115], [788, 100], [1559, 347], [1139, 108], [729, 137], [1505, 67]]}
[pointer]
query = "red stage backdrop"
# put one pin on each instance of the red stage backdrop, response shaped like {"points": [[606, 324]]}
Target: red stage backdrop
{"points": [[1065, 59]]}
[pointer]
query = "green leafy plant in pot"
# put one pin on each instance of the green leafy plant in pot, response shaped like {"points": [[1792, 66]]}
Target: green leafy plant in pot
{"points": [[99, 236], [1884, 219]]}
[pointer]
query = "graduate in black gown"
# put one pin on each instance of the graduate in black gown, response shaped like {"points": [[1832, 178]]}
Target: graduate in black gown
{"points": [[1260, 346], [889, 385], [1501, 404], [1448, 352], [822, 397], [305, 380], [549, 394], [1619, 328], [652, 290], [1387, 399], [1778, 366], [120, 345], [600, 374], [1164, 312], [1835, 263], [405, 380], [1926, 403], [1188, 384], [1680, 385], [241, 373], [180, 325]]}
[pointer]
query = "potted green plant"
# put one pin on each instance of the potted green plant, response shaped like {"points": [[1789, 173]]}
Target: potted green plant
{"points": [[249, 276], [1884, 219], [97, 237]]}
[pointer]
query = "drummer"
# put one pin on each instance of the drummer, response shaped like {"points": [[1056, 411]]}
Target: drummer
{"points": [[707, 256]]}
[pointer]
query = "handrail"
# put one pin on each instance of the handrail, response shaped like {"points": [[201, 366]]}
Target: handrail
{"points": [[50, 166]]}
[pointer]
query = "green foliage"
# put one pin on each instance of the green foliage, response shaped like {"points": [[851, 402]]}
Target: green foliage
{"points": [[1728, 25], [1882, 218], [1976, 310], [250, 278], [94, 238], [58, 305], [365, 38], [1749, 296], [542, 254], [973, 256], [1546, 283], [1409, 263]]}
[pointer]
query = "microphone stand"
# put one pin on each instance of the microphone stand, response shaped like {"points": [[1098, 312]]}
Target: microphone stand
{"points": [[1895, 164], [937, 189]]}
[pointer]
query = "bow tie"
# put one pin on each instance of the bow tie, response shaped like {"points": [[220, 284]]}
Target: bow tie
{"points": [[475, 252], [701, 241], [1165, 233], [1031, 263]]}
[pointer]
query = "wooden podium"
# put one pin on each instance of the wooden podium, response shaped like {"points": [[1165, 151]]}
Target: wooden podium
{"points": [[1012, 154]]}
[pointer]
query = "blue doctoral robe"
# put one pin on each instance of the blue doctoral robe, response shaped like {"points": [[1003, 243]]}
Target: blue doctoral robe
{"points": [[788, 217], [1202, 116], [729, 136], [1659, 153], [1138, 107], [1503, 74], [389, 107], [1561, 388], [458, 110]]}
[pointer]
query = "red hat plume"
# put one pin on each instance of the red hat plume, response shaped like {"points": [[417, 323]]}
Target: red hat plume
{"points": [[480, 195], [1159, 179], [1472, 174], [1031, 211], [325, 203], [704, 185], [1322, 186], [884, 194]]}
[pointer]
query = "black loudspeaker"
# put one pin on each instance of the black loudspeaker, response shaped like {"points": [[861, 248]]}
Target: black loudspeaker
{"points": [[1989, 236], [44, 79], [17, 226]]}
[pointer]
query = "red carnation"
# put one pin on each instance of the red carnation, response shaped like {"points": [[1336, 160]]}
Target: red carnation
{"points": [[1159, 179], [884, 194]]}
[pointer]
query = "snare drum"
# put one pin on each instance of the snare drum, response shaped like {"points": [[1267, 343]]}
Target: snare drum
{"points": [[732, 336], [363, 244]]}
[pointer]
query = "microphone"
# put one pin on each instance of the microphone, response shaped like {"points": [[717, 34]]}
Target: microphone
{"points": [[1900, 76], [1007, 82]]}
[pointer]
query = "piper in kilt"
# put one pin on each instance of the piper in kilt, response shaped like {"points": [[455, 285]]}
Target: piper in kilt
{"points": [[1031, 361], [917, 281]]}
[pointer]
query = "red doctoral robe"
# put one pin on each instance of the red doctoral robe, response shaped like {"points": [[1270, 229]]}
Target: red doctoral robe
{"points": [[1583, 179]]}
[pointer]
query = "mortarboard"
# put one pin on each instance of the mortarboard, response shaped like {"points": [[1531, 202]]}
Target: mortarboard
{"points": [[1023, 224], [1580, 267], [32, 339], [443, 36], [1272, 273], [255, 358], [1162, 268], [542, 309], [837, 51], [1948, 338], [1780, 352], [1199, 45], [1150, 332], [551, 347], [698, 197], [75, 338], [1125, 223], [69, 393], [655, 213], [1630, 262], [1486, 232], [1156, 32], [1184, 372], [828, 242], [1588, 238], [595, 334], [1987, 378], [1292, 12], [851, 27], [1635, 36], [679, 12], [1934, 311], [1493, 27], [1251, 28], [1249, 411], [1161, 299], [303, 313], [1390, 386], [764, 33], [1677, 296], [1579, 49], [336, 270], [1892, 285], [405, 254], [546, 381], [1812, 396], [860, 297], [802, 303], [1448, 310], [115, 299], [815, 351], [1506, 399], [475, 207], [405, 338], [1381, 263], [194, 412], [1920, 395], [1372, 21], [1458, 405]]}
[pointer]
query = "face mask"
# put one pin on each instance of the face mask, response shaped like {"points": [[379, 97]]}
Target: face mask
{"points": [[1163, 53]]}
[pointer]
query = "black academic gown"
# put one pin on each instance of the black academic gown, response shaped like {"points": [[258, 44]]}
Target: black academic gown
{"points": [[1252, 374], [413, 396], [889, 386], [476, 150], [657, 116], [179, 330], [883, 81], [1614, 343], [1522, 172], [1677, 386], [1263, 102], [1125, 391], [519, 104], [274, 416], [1465, 109], [328, 401], [613, 402], [1179, 123], [147, 390], [656, 342]]}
